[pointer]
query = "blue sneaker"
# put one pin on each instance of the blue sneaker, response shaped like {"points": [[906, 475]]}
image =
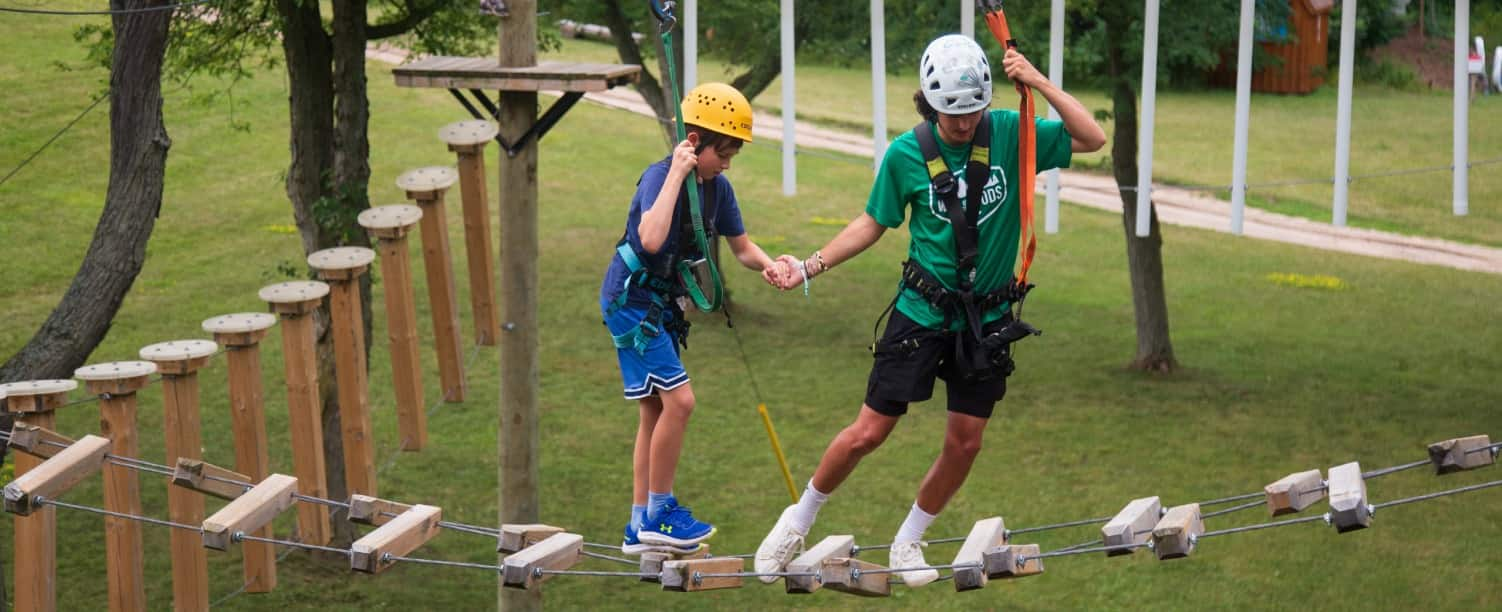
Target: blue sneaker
{"points": [[676, 526], [631, 545]]}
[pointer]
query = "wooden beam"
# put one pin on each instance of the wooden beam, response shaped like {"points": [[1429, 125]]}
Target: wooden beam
{"points": [[848, 575], [689, 575], [515, 538], [367, 510], [985, 535], [1177, 534], [1294, 492], [1457, 454], [391, 224], [37, 441], [651, 562], [402, 535], [249, 512], [1348, 508], [1132, 525], [1002, 561], [56, 475], [559, 551], [812, 561], [295, 302], [209, 479], [428, 186]]}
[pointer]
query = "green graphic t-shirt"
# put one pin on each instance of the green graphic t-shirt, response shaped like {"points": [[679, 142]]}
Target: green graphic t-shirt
{"points": [[903, 182]]}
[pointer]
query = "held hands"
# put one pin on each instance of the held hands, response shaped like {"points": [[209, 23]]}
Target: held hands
{"points": [[775, 273], [1018, 69], [791, 272]]}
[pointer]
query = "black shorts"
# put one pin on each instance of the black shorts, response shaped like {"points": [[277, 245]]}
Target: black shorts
{"points": [[910, 357]]}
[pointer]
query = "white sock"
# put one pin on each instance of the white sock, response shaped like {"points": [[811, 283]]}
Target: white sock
{"points": [[917, 522], [807, 508]]}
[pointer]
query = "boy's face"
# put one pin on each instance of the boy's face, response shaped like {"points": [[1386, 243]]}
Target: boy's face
{"points": [[958, 129], [713, 161]]}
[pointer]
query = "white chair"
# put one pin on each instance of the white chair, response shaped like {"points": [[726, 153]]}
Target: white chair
{"points": [[1476, 67], [1497, 69]]}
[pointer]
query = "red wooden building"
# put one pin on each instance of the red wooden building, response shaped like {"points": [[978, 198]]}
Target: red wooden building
{"points": [[1300, 44]]}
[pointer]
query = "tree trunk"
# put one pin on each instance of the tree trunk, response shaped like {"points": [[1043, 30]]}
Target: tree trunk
{"points": [[138, 161], [1144, 255], [648, 86], [327, 178]]}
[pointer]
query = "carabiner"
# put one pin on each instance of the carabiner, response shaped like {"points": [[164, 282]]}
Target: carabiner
{"points": [[663, 11]]}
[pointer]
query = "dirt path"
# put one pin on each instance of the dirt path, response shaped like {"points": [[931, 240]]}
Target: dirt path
{"points": [[1175, 206]]}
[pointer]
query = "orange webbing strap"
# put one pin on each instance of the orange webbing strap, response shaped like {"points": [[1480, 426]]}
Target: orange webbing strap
{"points": [[1027, 147]]}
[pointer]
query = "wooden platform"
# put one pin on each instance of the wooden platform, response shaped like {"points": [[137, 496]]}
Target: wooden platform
{"points": [[485, 73]]}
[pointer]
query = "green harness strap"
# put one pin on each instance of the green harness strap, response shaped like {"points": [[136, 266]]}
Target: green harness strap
{"points": [[685, 269]]}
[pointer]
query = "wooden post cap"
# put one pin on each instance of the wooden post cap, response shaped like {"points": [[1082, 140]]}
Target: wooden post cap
{"points": [[116, 377], [294, 292], [339, 259], [426, 181], [240, 329], [468, 134], [36, 395], [390, 221], [180, 356]]}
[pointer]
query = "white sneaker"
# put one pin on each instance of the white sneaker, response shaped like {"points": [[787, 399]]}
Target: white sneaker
{"points": [[910, 554], [779, 547]]}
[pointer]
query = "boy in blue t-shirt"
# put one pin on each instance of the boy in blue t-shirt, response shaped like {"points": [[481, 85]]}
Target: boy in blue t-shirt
{"points": [[639, 299]]}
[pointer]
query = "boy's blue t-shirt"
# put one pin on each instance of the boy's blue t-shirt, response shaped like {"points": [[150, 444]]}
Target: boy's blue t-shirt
{"points": [[724, 217]]}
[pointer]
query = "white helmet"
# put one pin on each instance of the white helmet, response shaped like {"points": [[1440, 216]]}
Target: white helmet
{"points": [[955, 76]]}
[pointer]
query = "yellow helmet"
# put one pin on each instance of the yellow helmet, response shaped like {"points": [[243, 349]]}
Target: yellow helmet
{"points": [[718, 107]]}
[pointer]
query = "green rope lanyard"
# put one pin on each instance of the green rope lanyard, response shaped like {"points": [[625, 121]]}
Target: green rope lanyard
{"points": [[691, 184]]}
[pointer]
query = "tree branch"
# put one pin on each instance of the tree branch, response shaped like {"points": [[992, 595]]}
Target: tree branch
{"points": [[415, 15]]}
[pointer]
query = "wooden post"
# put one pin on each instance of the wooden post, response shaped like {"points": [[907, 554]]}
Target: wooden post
{"points": [[517, 407], [1132, 525], [116, 385], [179, 362], [985, 535], [427, 186], [341, 268], [390, 224], [295, 302], [468, 139], [241, 335], [1178, 532], [1348, 508], [33, 403], [251, 512], [400, 536], [1294, 492], [812, 561]]}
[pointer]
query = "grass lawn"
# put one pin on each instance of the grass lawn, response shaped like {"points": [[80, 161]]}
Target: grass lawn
{"points": [[1277, 378], [1291, 138]]}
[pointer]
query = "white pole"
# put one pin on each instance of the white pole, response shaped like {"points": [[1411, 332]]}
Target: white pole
{"points": [[690, 44], [1243, 114], [789, 113], [1343, 111], [878, 83], [967, 18], [1149, 109], [1462, 106], [1056, 75]]}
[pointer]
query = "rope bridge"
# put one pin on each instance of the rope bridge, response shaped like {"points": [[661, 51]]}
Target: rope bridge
{"points": [[540, 552]]}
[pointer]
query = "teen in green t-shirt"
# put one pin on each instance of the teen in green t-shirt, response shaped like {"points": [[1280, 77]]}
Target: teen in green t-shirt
{"points": [[917, 347]]}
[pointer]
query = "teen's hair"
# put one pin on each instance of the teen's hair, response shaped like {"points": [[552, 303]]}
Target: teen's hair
{"points": [[710, 138], [925, 109]]}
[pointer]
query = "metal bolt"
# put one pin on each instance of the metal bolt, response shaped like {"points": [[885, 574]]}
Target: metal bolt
{"points": [[237, 537], [1006, 535], [698, 578], [386, 558], [537, 572], [1021, 561], [509, 326], [1327, 518], [855, 574], [1194, 540], [1371, 510]]}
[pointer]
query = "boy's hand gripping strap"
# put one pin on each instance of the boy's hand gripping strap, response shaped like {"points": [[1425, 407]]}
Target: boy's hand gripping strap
{"points": [[1027, 140]]}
